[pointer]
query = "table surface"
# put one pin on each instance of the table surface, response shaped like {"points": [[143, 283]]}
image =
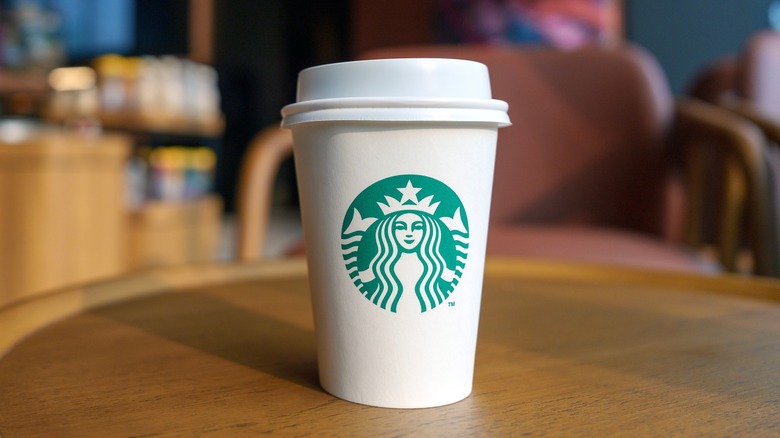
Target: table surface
{"points": [[228, 350]]}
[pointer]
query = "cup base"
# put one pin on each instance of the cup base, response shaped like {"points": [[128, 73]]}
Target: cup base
{"points": [[392, 403]]}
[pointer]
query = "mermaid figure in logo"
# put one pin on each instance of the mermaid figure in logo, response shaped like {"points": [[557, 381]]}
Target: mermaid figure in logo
{"points": [[411, 239]]}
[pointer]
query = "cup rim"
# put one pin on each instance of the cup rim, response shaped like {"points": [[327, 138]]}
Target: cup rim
{"points": [[397, 109]]}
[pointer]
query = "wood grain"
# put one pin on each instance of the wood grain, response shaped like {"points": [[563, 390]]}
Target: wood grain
{"points": [[563, 350]]}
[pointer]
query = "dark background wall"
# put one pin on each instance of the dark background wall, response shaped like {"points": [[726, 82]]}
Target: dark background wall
{"points": [[685, 35], [259, 47]]}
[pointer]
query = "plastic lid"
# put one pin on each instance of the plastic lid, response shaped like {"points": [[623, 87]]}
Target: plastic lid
{"points": [[413, 89]]}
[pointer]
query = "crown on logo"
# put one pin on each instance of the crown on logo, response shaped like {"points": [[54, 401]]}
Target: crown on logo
{"points": [[408, 201]]}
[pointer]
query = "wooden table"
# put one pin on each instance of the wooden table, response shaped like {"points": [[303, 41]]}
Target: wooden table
{"points": [[228, 350]]}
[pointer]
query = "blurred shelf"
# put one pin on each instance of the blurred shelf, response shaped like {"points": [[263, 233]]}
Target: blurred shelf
{"points": [[152, 124], [12, 81], [169, 233]]}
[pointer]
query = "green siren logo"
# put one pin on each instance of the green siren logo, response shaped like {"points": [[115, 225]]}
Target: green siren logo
{"points": [[405, 241]]}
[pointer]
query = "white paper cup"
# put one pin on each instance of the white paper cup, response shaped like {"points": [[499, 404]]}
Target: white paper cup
{"points": [[395, 167]]}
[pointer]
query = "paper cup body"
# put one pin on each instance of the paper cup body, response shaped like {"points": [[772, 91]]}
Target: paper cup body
{"points": [[395, 216]]}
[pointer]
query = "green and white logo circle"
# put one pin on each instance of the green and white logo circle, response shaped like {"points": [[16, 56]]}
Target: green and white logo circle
{"points": [[405, 240]]}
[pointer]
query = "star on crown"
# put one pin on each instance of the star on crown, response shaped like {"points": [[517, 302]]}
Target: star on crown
{"points": [[408, 201]]}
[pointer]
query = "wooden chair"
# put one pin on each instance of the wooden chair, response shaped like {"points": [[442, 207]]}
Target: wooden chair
{"points": [[747, 84], [266, 153], [592, 168]]}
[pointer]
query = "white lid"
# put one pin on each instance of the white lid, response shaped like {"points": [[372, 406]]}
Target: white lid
{"points": [[414, 89]]}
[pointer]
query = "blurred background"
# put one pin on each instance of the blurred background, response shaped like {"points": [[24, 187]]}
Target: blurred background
{"points": [[186, 84]]}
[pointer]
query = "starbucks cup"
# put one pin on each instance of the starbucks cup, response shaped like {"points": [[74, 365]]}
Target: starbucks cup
{"points": [[394, 161]]}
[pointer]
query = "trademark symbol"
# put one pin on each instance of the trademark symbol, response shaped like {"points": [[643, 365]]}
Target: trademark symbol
{"points": [[451, 304]]}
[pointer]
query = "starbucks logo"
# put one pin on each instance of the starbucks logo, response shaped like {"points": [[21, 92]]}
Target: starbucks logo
{"points": [[405, 240]]}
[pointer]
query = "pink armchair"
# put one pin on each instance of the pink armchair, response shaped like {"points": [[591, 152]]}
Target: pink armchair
{"points": [[592, 168]]}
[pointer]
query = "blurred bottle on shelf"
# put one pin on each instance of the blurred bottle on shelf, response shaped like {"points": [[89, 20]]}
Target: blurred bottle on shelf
{"points": [[114, 73], [199, 175], [76, 97], [159, 88], [171, 174], [158, 93]]}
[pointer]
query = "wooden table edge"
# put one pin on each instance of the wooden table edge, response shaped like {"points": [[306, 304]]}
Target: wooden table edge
{"points": [[764, 288], [22, 318]]}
